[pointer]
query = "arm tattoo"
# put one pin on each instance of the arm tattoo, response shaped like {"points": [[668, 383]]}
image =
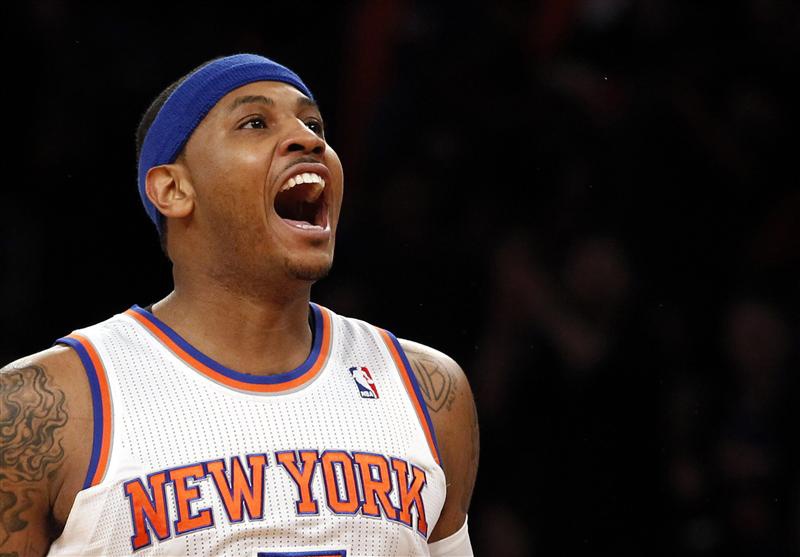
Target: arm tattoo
{"points": [[437, 386], [32, 415]]}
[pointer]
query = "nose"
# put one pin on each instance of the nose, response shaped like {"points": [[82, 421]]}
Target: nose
{"points": [[301, 139]]}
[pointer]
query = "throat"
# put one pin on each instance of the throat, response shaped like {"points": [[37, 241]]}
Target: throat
{"points": [[241, 337]]}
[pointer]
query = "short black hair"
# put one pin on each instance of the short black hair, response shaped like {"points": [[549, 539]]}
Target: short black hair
{"points": [[152, 112], [141, 132], [144, 126]]}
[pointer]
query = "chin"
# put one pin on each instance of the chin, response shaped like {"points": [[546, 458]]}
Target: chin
{"points": [[308, 270]]}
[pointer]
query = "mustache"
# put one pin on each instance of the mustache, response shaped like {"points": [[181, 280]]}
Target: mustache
{"points": [[302, 160]]}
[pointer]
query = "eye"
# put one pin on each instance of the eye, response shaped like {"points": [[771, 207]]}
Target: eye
{"points": [[315, 126], [254, 123]]}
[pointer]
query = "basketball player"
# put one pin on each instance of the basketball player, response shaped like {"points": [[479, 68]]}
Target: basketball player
{"points": [[235, 417]]}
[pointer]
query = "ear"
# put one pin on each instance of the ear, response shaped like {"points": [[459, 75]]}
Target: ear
{"points": [[169, 188]]}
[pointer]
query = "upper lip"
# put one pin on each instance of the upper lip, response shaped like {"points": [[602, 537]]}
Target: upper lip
{"points": [[299, 168]]}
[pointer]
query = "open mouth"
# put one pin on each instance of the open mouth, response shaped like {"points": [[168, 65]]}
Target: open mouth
{"points": [[301, 202]]}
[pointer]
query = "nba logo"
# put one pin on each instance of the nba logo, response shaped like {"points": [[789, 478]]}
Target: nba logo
{"points": [[363, 378]]}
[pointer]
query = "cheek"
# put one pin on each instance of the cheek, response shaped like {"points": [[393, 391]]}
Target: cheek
{"points": [[335, 166], [235, 166], [234, 179]]}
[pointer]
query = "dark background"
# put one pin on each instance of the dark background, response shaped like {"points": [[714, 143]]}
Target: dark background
{"points": [[592, 205]]}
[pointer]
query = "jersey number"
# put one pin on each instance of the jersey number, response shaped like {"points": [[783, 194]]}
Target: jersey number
{"points": [[327, 553]]}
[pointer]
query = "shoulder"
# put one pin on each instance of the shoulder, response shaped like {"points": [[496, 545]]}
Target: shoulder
{"points": [[55, 372], [440, 378], [451, 406], [46, 410]]}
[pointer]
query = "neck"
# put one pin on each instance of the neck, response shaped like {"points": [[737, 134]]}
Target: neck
{"points": [[259, 334]]}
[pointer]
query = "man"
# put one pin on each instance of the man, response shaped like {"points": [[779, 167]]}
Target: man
{"points": [[176, 429]]}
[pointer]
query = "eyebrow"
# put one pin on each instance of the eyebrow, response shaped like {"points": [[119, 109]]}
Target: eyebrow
{"points": [[305, 101], [247, 99], [261, 99]]}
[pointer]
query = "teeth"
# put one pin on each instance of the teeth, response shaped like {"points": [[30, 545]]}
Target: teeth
{"points": [[304, 178], [308, 226]]}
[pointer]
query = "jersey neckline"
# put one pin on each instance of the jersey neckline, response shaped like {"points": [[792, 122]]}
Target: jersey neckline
{"points": [[267, 384]]}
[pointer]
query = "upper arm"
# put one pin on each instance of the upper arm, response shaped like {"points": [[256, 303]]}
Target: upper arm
{"points": [[38, 433], [452, 410]]}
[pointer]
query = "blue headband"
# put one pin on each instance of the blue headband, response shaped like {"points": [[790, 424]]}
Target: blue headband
{"points": [[192, 100]]}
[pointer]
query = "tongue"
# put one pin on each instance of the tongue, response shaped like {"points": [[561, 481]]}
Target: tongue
{"points": [[298, 204]]}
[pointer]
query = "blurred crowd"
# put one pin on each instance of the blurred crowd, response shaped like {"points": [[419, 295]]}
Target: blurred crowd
{"points": [[592, 205], [596, 198]]}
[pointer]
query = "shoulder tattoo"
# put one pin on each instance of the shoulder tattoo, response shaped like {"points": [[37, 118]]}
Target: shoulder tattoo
{"points": [[33, 413], [436, 383]]}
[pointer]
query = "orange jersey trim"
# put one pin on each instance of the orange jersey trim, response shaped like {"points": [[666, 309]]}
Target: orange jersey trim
{"points": [[267, 384]]}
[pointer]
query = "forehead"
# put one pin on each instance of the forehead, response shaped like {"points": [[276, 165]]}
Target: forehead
{"points": [[274, 93]]}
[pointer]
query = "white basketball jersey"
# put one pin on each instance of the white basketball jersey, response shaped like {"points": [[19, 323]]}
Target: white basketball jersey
{"points": [[335, 458]]}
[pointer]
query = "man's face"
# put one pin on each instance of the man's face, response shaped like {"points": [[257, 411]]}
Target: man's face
{"points": [[268, 187]]}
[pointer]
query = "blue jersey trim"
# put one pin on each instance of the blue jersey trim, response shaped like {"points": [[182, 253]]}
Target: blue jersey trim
{"points": [[97, 406], [316, 345], [413, 378]]}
